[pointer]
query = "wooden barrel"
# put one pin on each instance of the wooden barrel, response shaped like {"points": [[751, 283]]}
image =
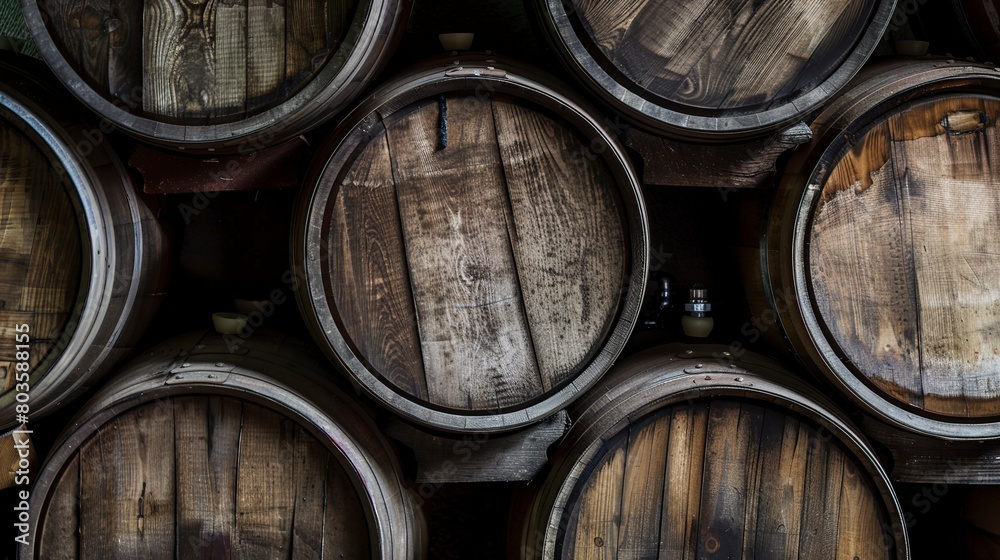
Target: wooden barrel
{"points": [[684, 452], [231, 75], [81, 268], [881, 244], [208, 447], [478, 286], [714, 70]]}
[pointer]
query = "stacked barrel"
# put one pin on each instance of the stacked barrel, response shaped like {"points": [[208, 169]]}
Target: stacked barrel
{"points": [[470, 252], [881, 236]]}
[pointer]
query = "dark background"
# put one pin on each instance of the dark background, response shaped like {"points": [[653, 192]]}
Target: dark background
{"points": [[237, 247]]}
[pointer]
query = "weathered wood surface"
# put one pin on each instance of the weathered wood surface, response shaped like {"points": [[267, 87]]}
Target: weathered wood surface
{"points": [[203, 448], [265, 491], [903, 256], [79, 254], [81, 34], [127, 488], [724, 55], [753, 500], [704, 69], [594, 535], [198, 62], [60, 540], [475, 338], [686, 452], [564, 224], [919, 459], [374, 295], [346, 536], [726, 167], [207, 439], [500, 254], [748, 504], [41, 253], [880, 243], [199, 476]]}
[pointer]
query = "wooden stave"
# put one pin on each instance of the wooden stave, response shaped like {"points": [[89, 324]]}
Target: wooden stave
{"points": [[554, 17], [119, 302], [877, 90], [286, 378], [328, 93], [425, 80], [657, 378]]}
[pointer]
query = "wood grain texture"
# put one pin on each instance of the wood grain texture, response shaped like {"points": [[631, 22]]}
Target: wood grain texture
{"points": [[177, 58], [682, 487], [370, 282], [79, 25], [265, 495], [207, 432], [229, 59], [642, 492], [724, 478], [127, 487], [726, 167], [919, 459], [214, 76], [40, 250], [198, 61], [504, 254], [475, 338], [345, 528], [783, 459], [250, 483], [60, 535], [310, 463], [308, 38], [568, 242], [595, 525], [821, 505], [724, 55], [903, 256], [266, 35], [859, 529], [125, 32], [732, 432]]}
